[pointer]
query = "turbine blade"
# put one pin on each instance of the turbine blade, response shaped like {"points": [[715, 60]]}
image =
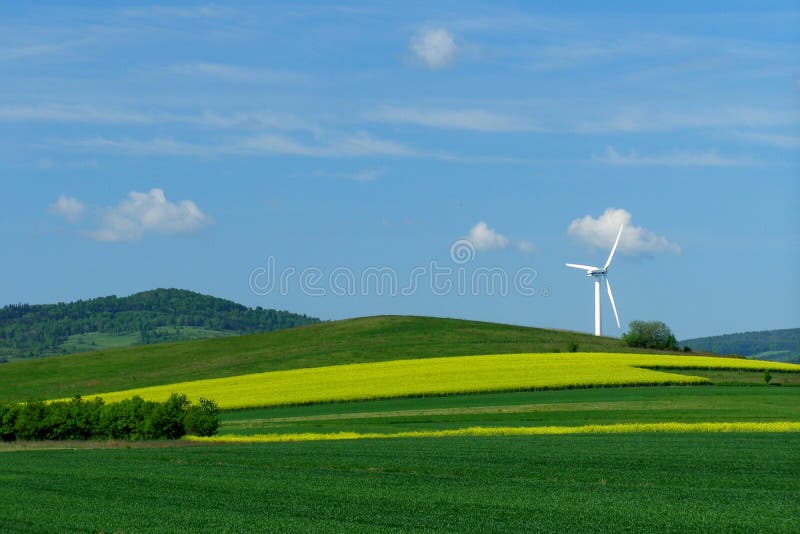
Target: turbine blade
{"points": [[613, 305], [614, 248], [584, 267]]}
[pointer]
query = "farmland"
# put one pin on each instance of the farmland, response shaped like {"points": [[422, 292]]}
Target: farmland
{"points": [[498, 442], [441, 376], [362, 340], [633, 482], [574, 407]]}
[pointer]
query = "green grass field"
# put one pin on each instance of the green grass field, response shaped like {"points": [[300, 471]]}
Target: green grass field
{"points": [[632, 483], [367, 339]]}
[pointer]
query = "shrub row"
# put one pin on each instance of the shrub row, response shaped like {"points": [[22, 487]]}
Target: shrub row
{"points": [[130, 419]]}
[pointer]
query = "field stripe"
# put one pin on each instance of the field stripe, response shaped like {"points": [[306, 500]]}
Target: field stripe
{"points": [[477, 431], [445, 376]]}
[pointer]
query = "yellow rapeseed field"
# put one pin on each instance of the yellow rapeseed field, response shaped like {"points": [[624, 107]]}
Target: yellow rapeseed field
{"points": [[622, 428], [437, 376]]}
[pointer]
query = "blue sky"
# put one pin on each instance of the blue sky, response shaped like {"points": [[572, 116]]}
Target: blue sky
{"points": [[184, 145]]}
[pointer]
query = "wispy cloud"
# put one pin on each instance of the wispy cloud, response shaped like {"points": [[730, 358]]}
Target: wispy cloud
{"points": [[354, 145], [82, 113], [189, 12], [776, 140], [363, 175], [463, 119], [237, 73], [434, 47], [601, 232], [158, 146], [359, 144], [72, 113], [674, 159], [27, 51], [255, 120], [643, 120]]}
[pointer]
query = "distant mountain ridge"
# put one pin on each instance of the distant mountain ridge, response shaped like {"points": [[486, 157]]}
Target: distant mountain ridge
{"points": [[153, 316], [774, 345]]}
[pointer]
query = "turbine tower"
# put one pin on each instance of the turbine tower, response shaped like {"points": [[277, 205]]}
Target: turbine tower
{"points": [[601, 274]]}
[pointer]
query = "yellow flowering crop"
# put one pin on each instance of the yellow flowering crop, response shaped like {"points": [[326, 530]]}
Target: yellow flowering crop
{"points": [[450, 375], [477, 431]]}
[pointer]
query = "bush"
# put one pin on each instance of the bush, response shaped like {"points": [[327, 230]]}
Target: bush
{"points": [[202, 420], [133, 419], [767, 376], [572, 347], [650, 335]]}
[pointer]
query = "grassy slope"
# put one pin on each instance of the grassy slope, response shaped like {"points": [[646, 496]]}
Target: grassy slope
{"points": [[350, 341], [637, 482]]}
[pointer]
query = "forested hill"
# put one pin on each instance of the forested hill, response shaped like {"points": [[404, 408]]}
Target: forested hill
{"points": [[148, 317], [774, 345]]}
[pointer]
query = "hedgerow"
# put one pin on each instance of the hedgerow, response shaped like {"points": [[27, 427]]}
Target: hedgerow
{"points": [[128, 419]]}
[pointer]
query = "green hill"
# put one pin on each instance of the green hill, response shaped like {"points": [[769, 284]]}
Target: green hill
{"points": [[773, 345], [355, 340], [156, 316]]}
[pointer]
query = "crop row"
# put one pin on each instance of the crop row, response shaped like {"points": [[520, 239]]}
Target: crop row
{"points": [[478, 431]]}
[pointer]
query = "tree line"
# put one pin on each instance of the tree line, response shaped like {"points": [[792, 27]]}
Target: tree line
{"points": [[129, 419]]}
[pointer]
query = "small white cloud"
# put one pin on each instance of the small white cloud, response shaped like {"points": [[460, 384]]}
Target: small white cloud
{"points": [[526, 247], [675, 159], [484, 238], [435, 47], [68, 207], [602, 231], [149, 212]]}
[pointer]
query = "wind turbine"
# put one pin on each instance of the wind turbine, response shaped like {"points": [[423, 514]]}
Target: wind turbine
{"points": [[601, 274]]}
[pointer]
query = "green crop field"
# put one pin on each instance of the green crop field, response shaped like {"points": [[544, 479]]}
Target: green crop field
{"points": [[634, 482]]}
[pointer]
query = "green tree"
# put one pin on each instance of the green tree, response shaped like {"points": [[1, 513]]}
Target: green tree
{"points": [[650, 335]]}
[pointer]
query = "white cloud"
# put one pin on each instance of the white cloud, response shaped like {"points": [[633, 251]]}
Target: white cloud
{"points": [[435, 47], [674, 159], [463, 119], [485, 238], [526, 247], [68, 207], [602, 231], [141, 213]]}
